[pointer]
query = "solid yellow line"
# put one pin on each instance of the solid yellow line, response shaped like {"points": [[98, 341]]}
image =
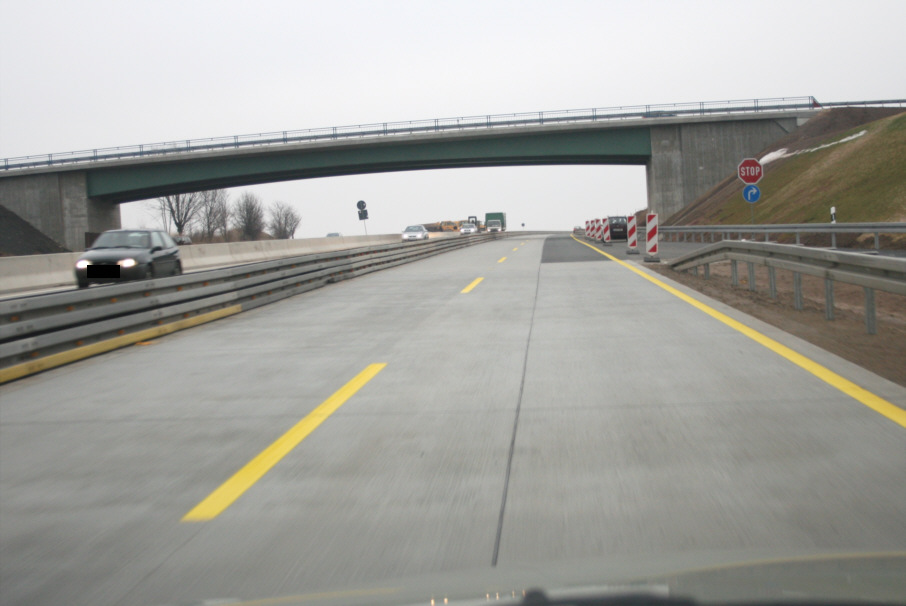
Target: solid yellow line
{"points": [[86, 351], [474, 283], [876, 403], [502, 259], [254, 470]]}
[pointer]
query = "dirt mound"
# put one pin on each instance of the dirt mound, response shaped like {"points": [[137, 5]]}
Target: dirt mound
{"points": [[19, 237]]}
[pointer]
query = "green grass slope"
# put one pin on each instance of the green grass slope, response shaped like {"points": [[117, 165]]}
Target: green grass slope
{"points": [[864, 178]]}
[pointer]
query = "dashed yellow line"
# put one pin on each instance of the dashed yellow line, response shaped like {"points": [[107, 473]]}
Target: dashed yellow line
{"points": [[501, 260], [515, 249], [469, 288], [876, 403], [215, 503]]}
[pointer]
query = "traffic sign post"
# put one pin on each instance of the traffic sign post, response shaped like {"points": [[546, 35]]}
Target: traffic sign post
{"points": [[750, 171], [363, 214]]}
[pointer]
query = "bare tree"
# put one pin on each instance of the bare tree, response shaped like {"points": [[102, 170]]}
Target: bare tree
{"points": [[214, 214], [284, 221], [248, 216], [180, 209]]}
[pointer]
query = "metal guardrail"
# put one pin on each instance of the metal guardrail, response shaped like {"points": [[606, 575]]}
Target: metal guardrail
{"points": [[43, 331], [871, 272], [726, 231], [381, 129]]}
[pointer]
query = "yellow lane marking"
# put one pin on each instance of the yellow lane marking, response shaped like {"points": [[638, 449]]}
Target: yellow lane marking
{"points": [[86, 351], [327, 595], [515, 249], [501, 260], [474, 283], [254, 470], [876, 403]]}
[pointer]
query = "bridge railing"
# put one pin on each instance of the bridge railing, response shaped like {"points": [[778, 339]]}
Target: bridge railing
{"points": [[383, 129]]}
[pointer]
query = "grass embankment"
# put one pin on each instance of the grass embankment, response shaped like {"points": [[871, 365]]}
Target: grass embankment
{"points": [[864, 178]]}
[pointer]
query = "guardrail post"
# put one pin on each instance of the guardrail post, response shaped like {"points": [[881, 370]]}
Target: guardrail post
{"points": [[871, 323], [798, 243], [772, 282], [695, 271], [751, 276], [834, 240], [707, 271], [828, 299], [712, 238], [797, 291], [734, 278], [877, 243]]}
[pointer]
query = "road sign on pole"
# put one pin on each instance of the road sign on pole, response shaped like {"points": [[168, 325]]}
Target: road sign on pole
{"points": [[750, 171], [751, 193]]}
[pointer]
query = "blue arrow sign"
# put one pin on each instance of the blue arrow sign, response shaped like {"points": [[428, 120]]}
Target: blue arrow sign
{"points": [[751, 193]]}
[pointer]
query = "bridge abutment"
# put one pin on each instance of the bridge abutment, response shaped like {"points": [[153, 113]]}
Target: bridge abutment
{"points": [[57, 204], [688, 159]]}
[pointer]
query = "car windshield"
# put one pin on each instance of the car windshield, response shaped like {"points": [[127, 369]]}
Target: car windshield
{"points": [[123, 239], [415, 228]]}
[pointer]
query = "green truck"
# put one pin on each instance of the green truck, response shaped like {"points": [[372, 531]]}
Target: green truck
{"points": [[495, 221]]}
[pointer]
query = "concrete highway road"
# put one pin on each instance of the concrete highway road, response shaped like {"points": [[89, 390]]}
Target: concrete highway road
{"points": [[563, 419]]}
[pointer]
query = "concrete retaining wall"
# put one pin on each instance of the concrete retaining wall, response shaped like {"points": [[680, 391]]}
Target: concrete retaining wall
{"points": [[32, 272]]}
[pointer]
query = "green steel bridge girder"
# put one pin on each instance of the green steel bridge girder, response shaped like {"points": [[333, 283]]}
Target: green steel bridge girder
{"points": [[156, 177]]}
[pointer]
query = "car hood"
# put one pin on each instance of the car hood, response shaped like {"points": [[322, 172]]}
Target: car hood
{"points": [[114, 254], [829, 578]]}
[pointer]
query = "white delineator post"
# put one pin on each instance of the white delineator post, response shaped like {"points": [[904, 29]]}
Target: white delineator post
{"points": [[651, 238], [632, 237], [606, 235]]}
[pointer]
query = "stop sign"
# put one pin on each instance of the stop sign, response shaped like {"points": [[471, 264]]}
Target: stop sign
{"points": [[750, 171]]}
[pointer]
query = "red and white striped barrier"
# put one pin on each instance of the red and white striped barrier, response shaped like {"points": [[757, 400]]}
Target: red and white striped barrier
{"points": [[599, 229], [651, 237], [632, 237], [587, 228], [606, 234]]}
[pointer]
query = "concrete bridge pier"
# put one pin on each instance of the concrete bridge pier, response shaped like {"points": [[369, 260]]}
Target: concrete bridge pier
{"points": [[688, 159], [58, 205]]}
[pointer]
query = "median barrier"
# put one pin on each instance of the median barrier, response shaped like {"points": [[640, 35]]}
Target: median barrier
{"points": [[31, 272]]}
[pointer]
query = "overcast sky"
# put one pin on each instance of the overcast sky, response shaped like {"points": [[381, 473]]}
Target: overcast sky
{"points": [[84, 74]]}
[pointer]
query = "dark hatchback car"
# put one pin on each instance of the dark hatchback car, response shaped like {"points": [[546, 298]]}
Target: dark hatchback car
{"points": [[618, 228], [128, 254]]}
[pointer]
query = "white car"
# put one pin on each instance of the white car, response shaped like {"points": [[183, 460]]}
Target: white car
{"points": [[415, 232], [468, 228]]}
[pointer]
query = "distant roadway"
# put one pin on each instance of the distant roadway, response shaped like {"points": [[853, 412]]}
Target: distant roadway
{"points": [[527, 405]]}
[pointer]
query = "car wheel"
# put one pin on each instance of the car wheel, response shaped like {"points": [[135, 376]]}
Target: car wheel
{"points": [[177, 269], [83, 283], [149, 272]]}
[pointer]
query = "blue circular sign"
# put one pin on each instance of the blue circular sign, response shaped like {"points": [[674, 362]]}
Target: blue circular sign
{"points": [[751, 193]]}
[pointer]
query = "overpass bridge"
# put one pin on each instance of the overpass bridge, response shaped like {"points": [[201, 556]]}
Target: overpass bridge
{"points": [[686, 149]]}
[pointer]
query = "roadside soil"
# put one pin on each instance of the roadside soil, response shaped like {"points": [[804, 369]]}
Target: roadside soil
{"points": [[883, 353]]}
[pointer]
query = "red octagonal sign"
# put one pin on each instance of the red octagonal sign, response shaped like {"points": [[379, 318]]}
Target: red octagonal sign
{"points": [[750, 171]]}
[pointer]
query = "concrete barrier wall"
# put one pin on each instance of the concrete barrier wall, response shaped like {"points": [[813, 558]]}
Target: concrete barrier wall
{"points": [[31, 272]]}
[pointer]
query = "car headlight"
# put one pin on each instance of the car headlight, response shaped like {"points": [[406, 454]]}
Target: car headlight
{"points": [[82, 264], [126, 262]]}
